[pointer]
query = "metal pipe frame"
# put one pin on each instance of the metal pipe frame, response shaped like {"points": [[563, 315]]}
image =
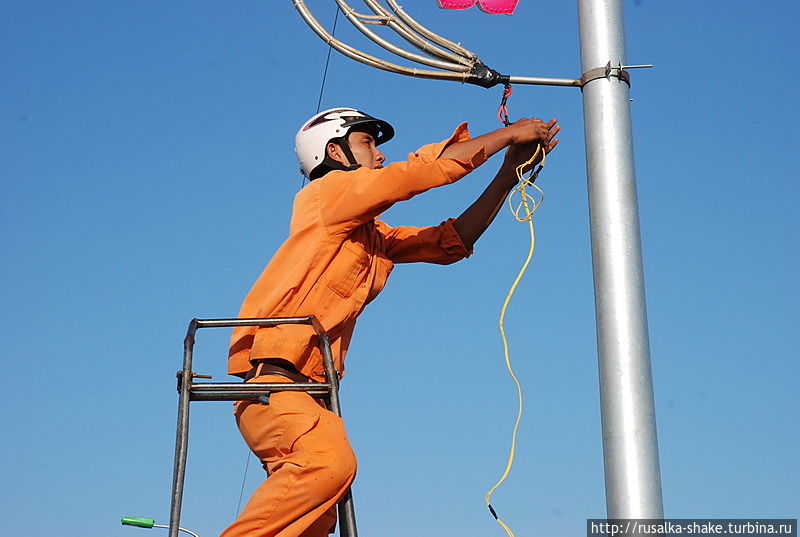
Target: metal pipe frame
{"points": [[630, 444], [207, 391], [368, 59], [458, 73]]}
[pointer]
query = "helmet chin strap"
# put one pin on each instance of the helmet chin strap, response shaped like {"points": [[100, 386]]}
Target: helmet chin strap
{"points": [[331, 164], [348, 153]]}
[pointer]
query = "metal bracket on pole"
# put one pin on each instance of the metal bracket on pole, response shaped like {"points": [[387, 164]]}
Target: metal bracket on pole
{"points": [[620, 71]]}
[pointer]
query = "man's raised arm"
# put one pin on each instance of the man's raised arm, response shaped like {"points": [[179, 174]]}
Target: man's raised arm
{"points": [[524, 131], [527, 134]]}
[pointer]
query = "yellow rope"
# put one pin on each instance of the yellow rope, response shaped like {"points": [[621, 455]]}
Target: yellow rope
{"points": [[529, 204]]}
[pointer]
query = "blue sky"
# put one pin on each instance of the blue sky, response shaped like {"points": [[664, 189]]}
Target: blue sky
{"points": [[146, 153]]}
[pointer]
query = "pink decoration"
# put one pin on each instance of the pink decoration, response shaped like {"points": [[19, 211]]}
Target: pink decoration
{"points": [[505, 7]]}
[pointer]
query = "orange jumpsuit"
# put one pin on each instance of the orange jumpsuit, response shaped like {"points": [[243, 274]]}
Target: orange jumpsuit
{"points": [[336, 260]]}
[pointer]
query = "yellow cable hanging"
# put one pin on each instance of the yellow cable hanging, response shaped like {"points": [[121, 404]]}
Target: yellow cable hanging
{"points": [[529, 204]]}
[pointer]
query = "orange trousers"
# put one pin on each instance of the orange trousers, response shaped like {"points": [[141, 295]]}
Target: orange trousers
{"points": [[308, 459]]}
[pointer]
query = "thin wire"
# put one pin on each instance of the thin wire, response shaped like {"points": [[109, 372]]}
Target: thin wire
{"points": [[324, 76], [327, 60], [244, 479]]}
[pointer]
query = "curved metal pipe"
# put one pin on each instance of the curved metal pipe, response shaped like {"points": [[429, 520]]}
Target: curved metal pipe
{"points": [[420, 29], [407, 33], [367, 59], [394, 49]]}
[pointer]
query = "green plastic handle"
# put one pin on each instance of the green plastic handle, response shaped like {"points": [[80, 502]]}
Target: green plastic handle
{"points": [[138, 521]]}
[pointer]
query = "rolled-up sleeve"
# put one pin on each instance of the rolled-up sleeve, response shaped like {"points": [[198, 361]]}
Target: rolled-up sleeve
{"points": [[435, 244], [350, 198]]}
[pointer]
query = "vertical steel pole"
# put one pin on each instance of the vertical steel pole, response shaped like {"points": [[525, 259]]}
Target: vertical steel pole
{"points": [[346, 509], [630, 445], [182, 432]]}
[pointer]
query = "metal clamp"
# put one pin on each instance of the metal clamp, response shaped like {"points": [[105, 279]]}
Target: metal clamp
{"points": [[179, 376], [620, 71]]}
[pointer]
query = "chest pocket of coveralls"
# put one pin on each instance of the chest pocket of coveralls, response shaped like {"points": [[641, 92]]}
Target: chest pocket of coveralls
{"points": [[347, 270]]}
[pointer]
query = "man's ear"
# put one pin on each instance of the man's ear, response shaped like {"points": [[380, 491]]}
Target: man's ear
{"points": [[335, 152]]}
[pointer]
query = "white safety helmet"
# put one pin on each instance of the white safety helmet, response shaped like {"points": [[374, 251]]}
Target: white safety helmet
{"points": [[333, 125]]}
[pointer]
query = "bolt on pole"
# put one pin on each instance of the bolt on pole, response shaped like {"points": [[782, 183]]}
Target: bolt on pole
{"points": [[630, 444]]}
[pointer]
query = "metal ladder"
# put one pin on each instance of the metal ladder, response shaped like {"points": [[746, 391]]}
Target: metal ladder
{"points": [[189, 390]]}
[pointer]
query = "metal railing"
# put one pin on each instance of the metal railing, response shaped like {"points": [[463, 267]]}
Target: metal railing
{"points": [[207, 391]]}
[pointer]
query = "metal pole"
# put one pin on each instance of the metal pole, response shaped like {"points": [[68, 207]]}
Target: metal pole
{"points": [[182, 432], [630, 445], [346, 509]]}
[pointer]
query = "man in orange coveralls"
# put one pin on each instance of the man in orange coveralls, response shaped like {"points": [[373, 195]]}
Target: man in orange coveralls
{"points": [[336, 260]]}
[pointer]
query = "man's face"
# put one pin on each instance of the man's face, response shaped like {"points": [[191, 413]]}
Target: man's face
{"points": [[362, 144]]}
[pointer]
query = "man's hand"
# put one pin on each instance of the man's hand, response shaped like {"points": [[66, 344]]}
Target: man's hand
{"points": [[527, 133]]}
